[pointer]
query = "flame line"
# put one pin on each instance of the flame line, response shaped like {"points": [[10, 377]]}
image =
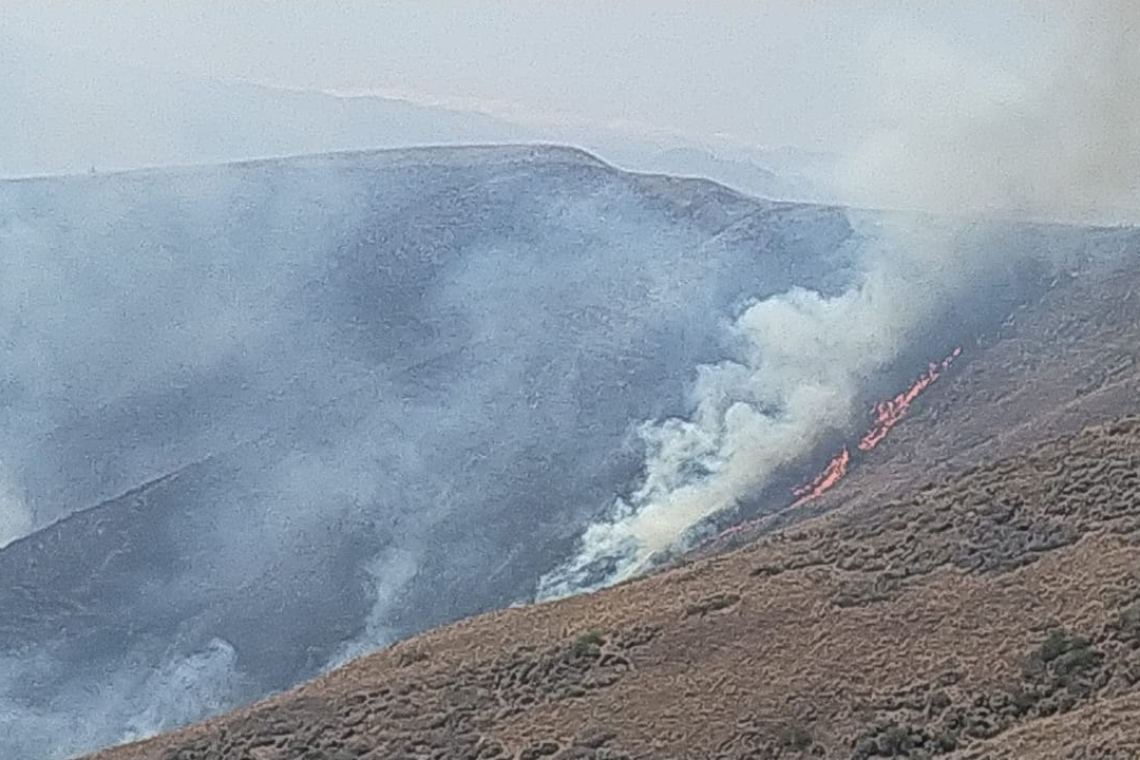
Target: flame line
{"points": [[886, 415], [825, 481]]}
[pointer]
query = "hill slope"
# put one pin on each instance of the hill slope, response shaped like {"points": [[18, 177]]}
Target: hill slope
{"points": [[971, 591], [258, 418]]}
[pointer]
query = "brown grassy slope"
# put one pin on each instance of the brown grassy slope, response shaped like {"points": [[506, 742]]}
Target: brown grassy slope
{"points": [[950, 601], [922, 623]]}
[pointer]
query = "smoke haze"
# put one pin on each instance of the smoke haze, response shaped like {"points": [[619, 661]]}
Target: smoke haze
{"points": [[268, 417], [1066, 146], [1062, 142]]}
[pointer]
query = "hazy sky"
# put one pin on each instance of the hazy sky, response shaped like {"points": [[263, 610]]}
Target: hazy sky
{"points": [[763, 74]]}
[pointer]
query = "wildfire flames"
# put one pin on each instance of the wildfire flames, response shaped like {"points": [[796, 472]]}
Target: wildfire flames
{"points": [[887, 414], [831, 475]]}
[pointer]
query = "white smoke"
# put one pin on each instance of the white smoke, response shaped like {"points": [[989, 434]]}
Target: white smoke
{"points": [[143, 698], [801, 361], [1062, 141], [15, 517], [964, 139], [390, 572], [181, 690]]}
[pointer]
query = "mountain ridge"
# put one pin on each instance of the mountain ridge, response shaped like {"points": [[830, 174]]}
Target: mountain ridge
{"points": [[428, 154], [150, 118]]}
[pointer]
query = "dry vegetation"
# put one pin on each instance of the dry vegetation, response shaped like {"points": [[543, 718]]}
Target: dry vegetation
{"points": [[972, 592]]}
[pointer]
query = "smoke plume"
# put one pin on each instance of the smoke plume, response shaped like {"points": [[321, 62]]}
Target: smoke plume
{"points": [[964, 142], [797, 365], [150, 693], [15, 518], [1060, 142], [323, 403]]}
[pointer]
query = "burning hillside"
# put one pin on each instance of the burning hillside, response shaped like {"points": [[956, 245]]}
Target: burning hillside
{"points": [[461, 341], [890, 412], [886, 415], [989, 610]]}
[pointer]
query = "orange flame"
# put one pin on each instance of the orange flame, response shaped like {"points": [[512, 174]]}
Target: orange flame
{"points": [[890, 412], [831, 475], [887, 414]]}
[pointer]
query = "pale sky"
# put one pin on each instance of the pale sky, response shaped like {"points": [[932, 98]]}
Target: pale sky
{"points": [[762, 73]]}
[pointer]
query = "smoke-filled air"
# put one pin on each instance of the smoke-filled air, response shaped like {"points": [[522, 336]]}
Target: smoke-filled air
{"points": [[1063, 146], [265, 408], [1058, 142], [15, 521]]}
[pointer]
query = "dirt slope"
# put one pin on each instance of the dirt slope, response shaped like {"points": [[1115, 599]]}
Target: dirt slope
{"points": [[971, 592]]}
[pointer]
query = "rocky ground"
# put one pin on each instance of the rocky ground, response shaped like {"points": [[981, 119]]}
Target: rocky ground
{"points": [[971, 591]]}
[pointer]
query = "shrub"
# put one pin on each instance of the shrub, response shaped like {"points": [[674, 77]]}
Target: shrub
{"points": [[1080, 658], [1053, 647], [794, 736], [895, 740], [587, 641], [946, 741], [1022, 700], [1127, 626], [712, 604]]}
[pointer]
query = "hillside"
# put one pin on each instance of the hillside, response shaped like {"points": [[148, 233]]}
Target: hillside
{"points": [[969, 591], [259, 418]]}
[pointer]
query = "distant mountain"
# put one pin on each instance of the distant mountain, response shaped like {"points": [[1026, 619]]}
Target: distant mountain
{"points": [[68, 115]]}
